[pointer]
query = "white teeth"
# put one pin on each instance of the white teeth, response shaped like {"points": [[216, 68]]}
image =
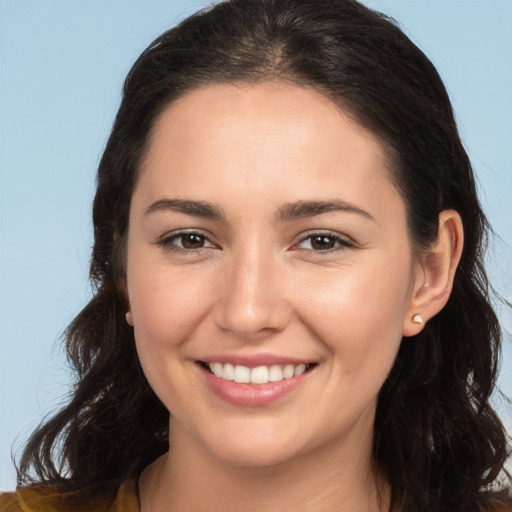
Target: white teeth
{"points": [[242, 374], [288, 371], [275, 373], [228, 372], [258, 375], [216, 368], [299, 370]]}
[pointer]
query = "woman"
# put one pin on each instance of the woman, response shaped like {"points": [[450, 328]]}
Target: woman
{"points": [[288, 264]]}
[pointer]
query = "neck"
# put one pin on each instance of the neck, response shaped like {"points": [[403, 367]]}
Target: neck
{"points": [[337, 477]]}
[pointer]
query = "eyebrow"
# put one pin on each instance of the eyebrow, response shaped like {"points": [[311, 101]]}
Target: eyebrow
{"points": [[287, 212], [304, 209], [188, 207]]}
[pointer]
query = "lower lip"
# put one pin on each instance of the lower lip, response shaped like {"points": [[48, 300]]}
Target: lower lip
{"points": [[251, 395]]}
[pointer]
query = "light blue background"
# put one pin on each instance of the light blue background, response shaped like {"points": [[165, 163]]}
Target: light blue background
{"points": [[62, 64]]}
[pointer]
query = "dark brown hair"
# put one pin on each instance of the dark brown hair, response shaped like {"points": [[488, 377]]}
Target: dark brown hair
{"points": [[437, 439]]}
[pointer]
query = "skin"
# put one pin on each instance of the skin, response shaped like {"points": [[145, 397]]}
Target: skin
{"points": [[260, 285]]}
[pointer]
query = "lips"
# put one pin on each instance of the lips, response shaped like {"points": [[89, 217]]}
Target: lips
{"points": [[254, 384]]}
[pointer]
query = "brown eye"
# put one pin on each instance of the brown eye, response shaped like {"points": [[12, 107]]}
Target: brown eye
{"points": [[190, 241], [323, 242], [186, 241]]}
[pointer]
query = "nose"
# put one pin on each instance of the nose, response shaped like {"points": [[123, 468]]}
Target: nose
{"points": [[252, 302]]}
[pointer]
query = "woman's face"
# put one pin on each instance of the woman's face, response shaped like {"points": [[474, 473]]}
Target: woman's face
{"points": [[265, 240]]}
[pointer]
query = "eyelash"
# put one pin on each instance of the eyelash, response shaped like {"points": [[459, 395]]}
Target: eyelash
{"points": [[168, 242]]}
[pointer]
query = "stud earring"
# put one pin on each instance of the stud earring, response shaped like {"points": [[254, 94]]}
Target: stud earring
{"points": [[417, 319]]}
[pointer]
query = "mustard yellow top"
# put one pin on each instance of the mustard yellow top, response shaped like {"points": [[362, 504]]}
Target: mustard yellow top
{"points": [[39, 499]]}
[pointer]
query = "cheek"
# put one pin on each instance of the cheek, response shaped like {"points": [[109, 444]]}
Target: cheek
{"points": [[358, 314], [166, 306]]}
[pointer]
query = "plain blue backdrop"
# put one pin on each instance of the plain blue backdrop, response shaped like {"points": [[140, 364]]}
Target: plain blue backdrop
{"points": [[62, 63]]}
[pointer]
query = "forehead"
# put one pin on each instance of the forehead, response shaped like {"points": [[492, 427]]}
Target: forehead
{"points": [[266, 106], [269, 139]]}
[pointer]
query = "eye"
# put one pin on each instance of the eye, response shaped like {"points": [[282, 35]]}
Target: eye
{"points": [[189, 241], [186, 241], [324, 242]]}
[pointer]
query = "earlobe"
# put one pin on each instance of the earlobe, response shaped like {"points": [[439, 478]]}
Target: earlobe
{"points": [[435, 274], [129, 318], [124, 292]]}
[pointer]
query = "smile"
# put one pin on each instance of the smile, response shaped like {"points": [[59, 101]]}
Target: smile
{"points": [[259, 375], [254, 386]]}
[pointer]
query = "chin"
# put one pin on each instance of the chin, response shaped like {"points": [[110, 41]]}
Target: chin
{"points": [[260, 448], [255, 456]]}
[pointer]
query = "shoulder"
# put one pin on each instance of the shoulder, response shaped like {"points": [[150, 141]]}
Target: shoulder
{"points": [[43, 499], [501, 503], [504, 506]]}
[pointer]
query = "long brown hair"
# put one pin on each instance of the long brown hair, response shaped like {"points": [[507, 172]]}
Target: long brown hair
{"points": [[437, 439]]}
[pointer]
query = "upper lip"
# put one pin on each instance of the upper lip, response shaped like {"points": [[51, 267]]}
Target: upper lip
{"points": [[254, 360]]}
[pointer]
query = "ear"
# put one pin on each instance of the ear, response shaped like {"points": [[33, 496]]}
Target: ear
{"points": [[128, 315], [124, 291], [129, 318], [435, 271]]}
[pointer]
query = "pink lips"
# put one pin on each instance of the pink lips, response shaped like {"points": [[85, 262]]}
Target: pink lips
{"points": [[252, 395]]}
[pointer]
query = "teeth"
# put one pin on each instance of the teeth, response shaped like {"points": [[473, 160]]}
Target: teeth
{"points": [[288, 371], [228, 372], [258, 375], [216, 368], [275, 373], [299, 370], [242, 374]]}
